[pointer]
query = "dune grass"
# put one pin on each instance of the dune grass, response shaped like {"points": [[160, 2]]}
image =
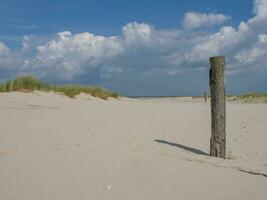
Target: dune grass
{"points": [[30, 83], [251, 98]]}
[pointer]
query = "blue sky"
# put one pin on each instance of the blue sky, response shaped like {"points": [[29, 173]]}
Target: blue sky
{"points": [[42, 17], [135, 47]]}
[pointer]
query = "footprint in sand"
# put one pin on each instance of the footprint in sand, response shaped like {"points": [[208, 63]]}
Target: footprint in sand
{"points": [[6, 152]]}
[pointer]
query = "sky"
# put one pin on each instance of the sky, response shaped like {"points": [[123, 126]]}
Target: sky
{"points": [[138, 48]]}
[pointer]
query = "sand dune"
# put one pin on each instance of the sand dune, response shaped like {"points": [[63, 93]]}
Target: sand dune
{"points": [[56, 148]]}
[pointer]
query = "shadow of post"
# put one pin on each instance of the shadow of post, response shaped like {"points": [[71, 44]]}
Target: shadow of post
{"points": [[190, 149]]}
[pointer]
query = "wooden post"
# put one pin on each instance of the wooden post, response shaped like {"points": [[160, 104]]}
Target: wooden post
{"points": [[218, 107], [205, 96]]}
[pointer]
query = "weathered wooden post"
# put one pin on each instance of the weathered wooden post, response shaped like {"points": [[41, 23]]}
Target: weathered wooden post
{"points": [[218, 107], [205, 96]]}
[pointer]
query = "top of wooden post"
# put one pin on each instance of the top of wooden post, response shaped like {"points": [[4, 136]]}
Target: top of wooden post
{"points": [[216, 58]]}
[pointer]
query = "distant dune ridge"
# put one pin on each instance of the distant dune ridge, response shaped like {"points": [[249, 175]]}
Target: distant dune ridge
{"points": [[30, 83], [253, 97], [57, 148]]}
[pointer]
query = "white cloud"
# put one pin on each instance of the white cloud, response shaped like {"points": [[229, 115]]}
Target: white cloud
{"points": [[134, 32], [4, 54], [3, 49], [242, 46], [70, 55], [10, 62], [251, 55], [215, 44], [193, 20], [260, 8]]}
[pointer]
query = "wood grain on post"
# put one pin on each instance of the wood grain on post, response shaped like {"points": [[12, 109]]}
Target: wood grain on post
{"points": [[218, 107]]}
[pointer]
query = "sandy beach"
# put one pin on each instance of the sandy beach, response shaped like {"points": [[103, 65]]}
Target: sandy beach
{"points": [[56, 148]]}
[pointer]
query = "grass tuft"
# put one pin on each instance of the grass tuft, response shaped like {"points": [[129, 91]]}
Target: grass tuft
{"points": [[251, 98], [30, 83]]}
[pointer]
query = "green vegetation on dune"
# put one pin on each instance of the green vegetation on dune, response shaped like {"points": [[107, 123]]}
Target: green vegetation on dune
{"points": [[251, 98], [243, 98], [30, 83]]}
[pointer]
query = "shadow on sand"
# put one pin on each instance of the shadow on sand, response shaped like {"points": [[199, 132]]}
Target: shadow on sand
{"points": [[190, 149]]}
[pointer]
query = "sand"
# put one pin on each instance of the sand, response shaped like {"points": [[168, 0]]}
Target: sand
{"points": [[56, 148]]}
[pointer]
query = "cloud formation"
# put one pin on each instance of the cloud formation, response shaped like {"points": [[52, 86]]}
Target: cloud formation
{"points": [[4, 53], [68, 55], [3, 48], [143, 53], [194, 20]]}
